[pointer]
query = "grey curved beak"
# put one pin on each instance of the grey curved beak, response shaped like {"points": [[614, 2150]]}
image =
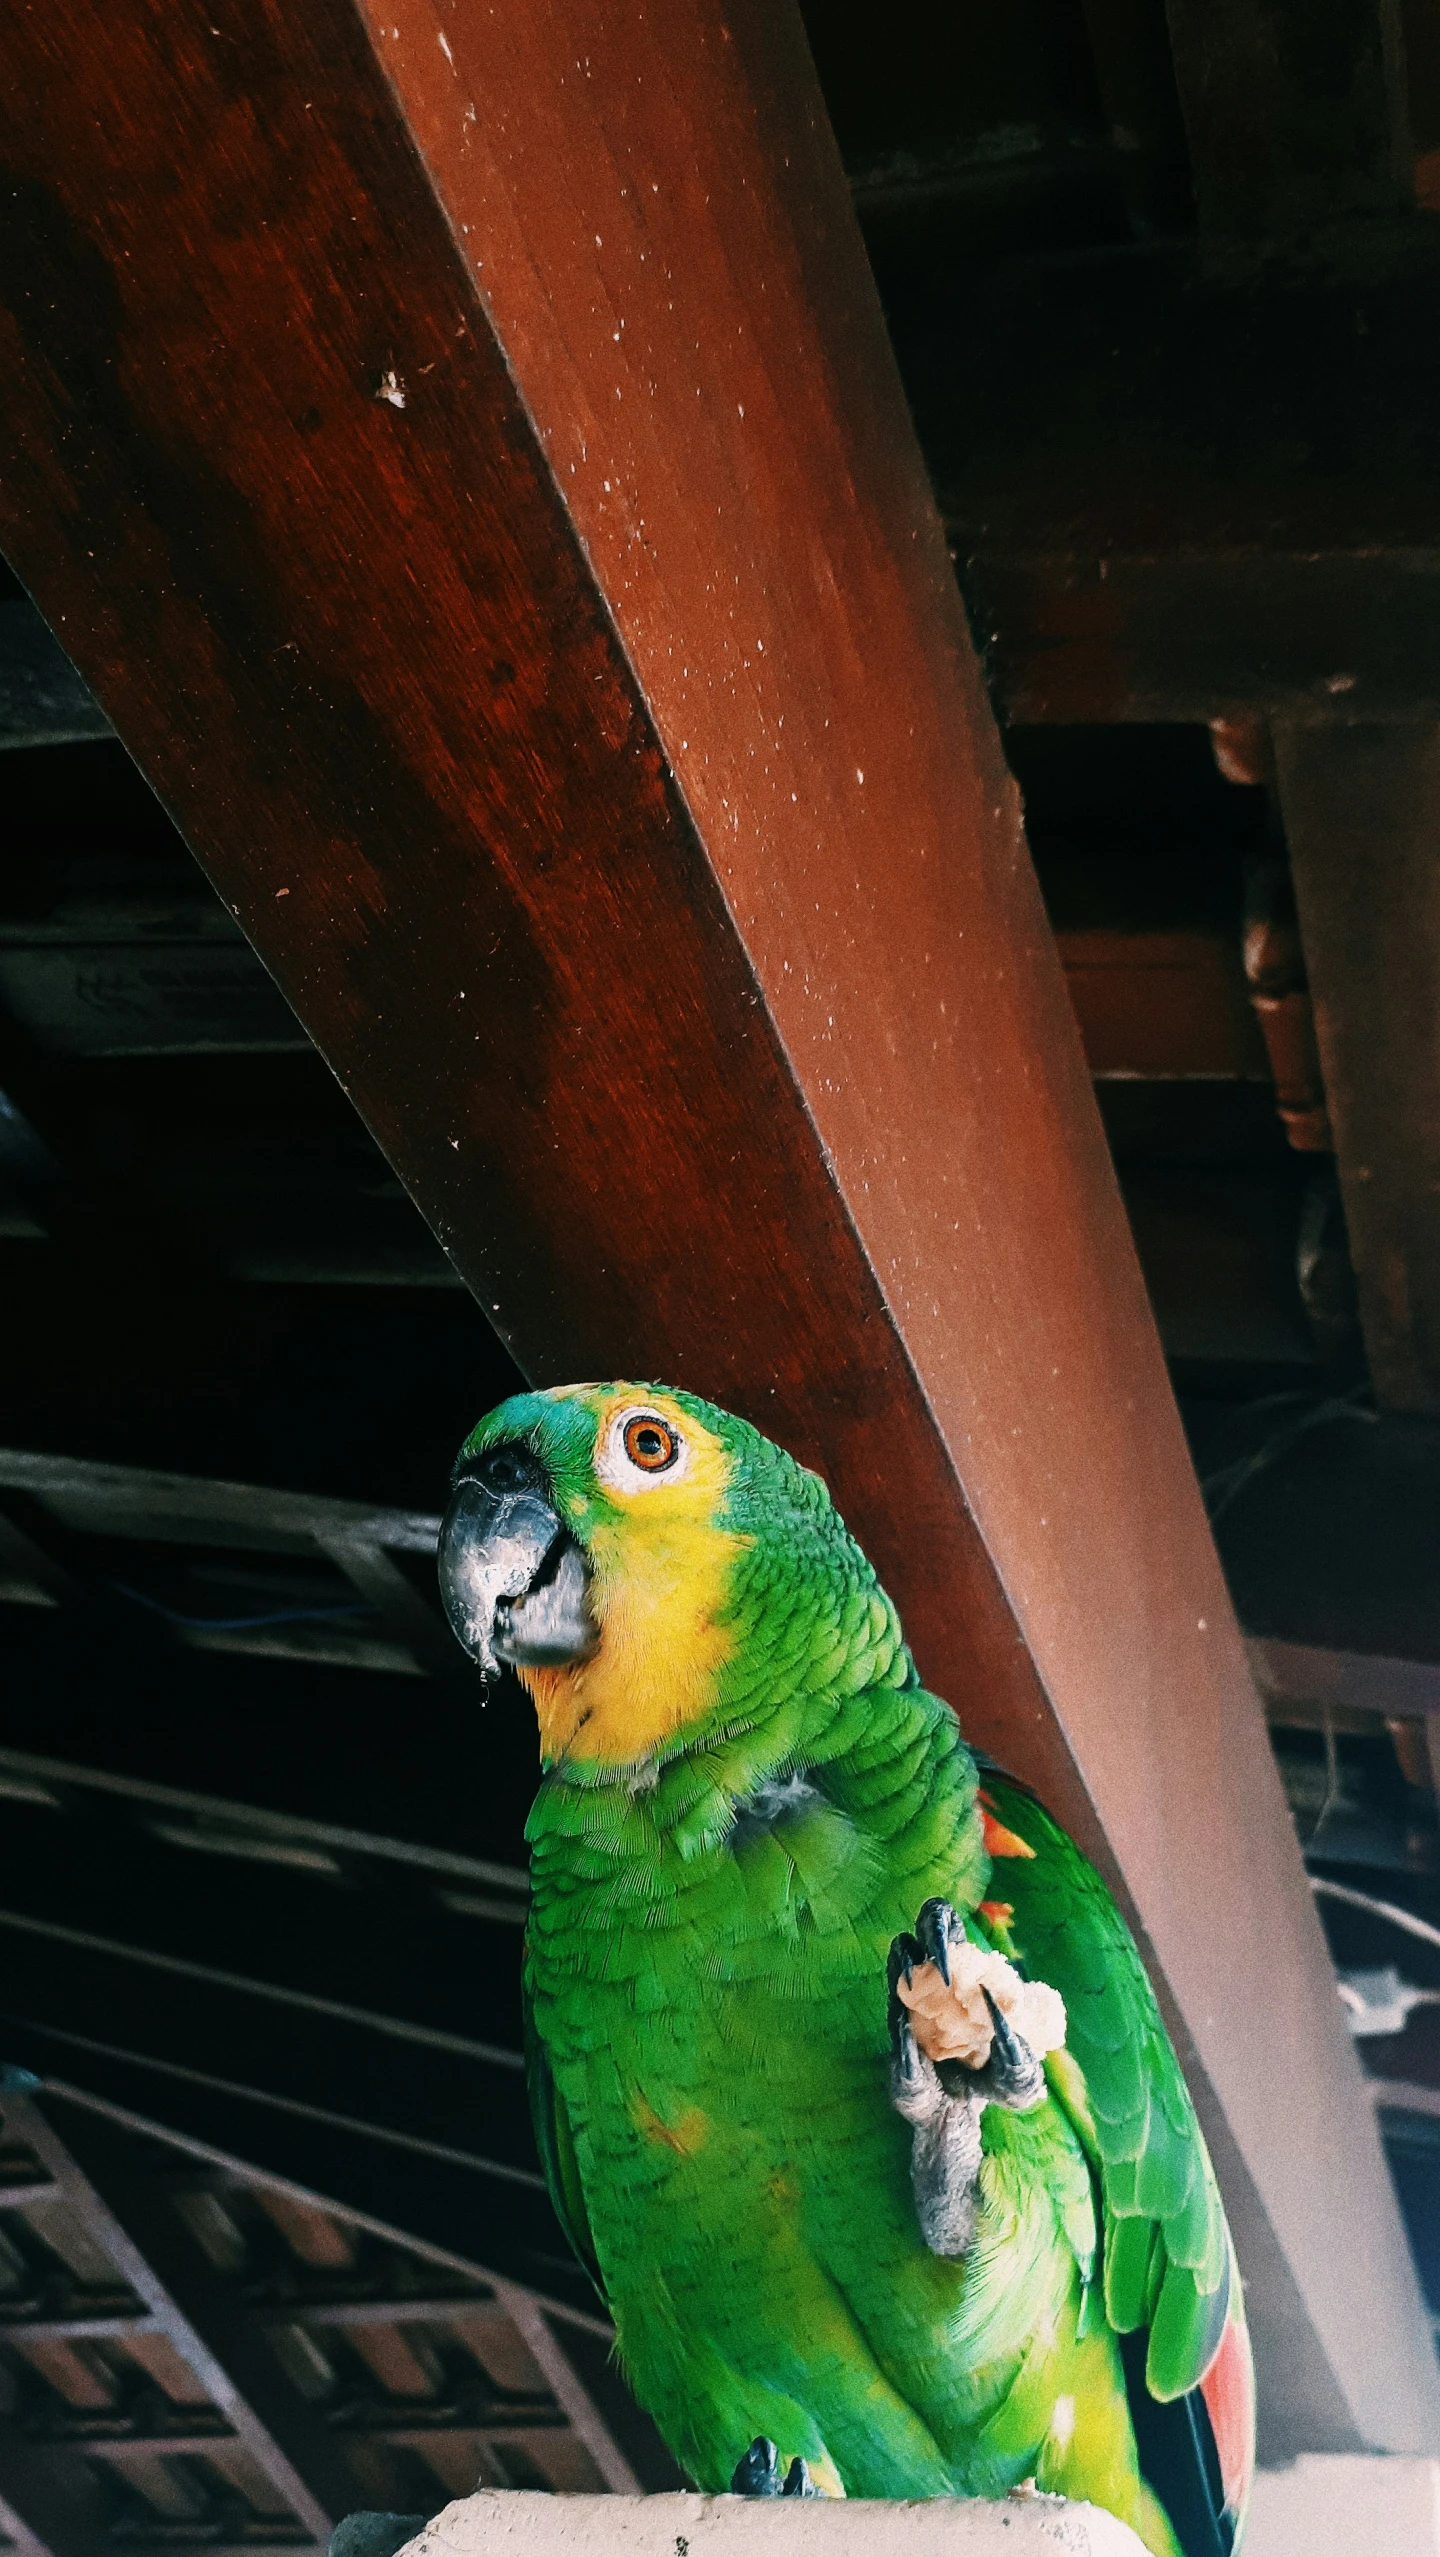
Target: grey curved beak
{"points": [[515, 1584]]}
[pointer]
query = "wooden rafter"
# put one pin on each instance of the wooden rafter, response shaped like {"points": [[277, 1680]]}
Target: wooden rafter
{"points": [[241, 2315]]}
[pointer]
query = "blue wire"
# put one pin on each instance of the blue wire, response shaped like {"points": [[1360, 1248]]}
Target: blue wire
{"points": [[241, 1624]]}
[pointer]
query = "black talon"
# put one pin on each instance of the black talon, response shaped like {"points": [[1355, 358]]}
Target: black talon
{"points": [[1011, 2076], [900, 1965], [797, 2481], [1012, 2063], [1006, 2046], [937, 1928], [758, 2473], [904, 1954]]}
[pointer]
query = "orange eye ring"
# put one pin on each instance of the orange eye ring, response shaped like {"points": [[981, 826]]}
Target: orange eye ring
{"points": [[650, 1443]]}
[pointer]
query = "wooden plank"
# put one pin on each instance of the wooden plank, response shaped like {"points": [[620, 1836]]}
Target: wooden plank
{"points": [[1162, 1006], [16, 2535], [1108, 634], [24, 1559], [59, 2511], [134, 1957], [413, 1620], [425, 2191], [136, 1500], [78, 2328], [1397, 2095], [1347, 1681], [646, 865], [1362, 815], [1178, 485], [104, 978], [458, 1808], [43, 701], [1295, 111], [1156, 402], [212, 1813], [388, 2312]]}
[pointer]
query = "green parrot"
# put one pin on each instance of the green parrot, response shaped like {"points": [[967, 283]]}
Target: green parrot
{"points": [[848, 2082]]}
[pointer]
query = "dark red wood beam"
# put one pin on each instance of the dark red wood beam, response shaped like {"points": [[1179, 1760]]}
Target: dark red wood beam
{"points": [[462, 452]]}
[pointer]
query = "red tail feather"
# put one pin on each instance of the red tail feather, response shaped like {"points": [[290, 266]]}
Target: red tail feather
{"points": [[1228, 2389]]}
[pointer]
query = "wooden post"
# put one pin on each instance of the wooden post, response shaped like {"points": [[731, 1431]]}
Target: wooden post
{"points": [[1362, 817], [462, 452], [1296, 111]]}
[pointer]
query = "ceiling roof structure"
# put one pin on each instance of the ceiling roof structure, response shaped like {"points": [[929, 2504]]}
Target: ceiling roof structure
{"points": [[559, 906]]}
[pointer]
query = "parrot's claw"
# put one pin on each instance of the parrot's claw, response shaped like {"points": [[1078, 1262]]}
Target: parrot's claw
{"points": [[1012, 2076], [905, 1953], [943, 2101], [758, 2473], [915, 2088], [936, 1929]]}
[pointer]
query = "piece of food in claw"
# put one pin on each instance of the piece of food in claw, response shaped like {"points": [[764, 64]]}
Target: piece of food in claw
{"points": [[953, 2023]]}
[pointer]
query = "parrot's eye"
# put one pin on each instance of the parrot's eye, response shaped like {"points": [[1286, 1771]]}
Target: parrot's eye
{"points": [[650, 1444], [641, 1447]]}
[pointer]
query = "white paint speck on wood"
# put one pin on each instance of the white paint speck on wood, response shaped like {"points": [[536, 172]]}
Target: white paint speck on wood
{"points": [[523, 2525]]}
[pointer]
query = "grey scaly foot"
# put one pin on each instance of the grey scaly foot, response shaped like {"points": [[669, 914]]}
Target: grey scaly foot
{"points": [[943, 2101], [758, 2473]]}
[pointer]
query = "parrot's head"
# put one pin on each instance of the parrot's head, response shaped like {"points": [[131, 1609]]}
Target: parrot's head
{"points": [[635, 1555]]}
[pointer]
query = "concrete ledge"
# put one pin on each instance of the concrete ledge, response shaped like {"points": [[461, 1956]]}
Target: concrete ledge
{"points": [[514, 2524], [1321, 2507], [1333, 2506]]}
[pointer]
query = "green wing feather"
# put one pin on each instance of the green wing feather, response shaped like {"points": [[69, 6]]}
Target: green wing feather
{"points": [[557, 2149], [1167, 2249]]}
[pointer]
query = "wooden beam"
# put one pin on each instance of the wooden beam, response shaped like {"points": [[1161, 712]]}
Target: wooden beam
{"points": [[75, 1697], [1295, 111], [1361, 807], [529, 602]]}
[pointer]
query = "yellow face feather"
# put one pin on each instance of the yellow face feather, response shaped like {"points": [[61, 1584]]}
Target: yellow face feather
{"points": [[661, 1576]]}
